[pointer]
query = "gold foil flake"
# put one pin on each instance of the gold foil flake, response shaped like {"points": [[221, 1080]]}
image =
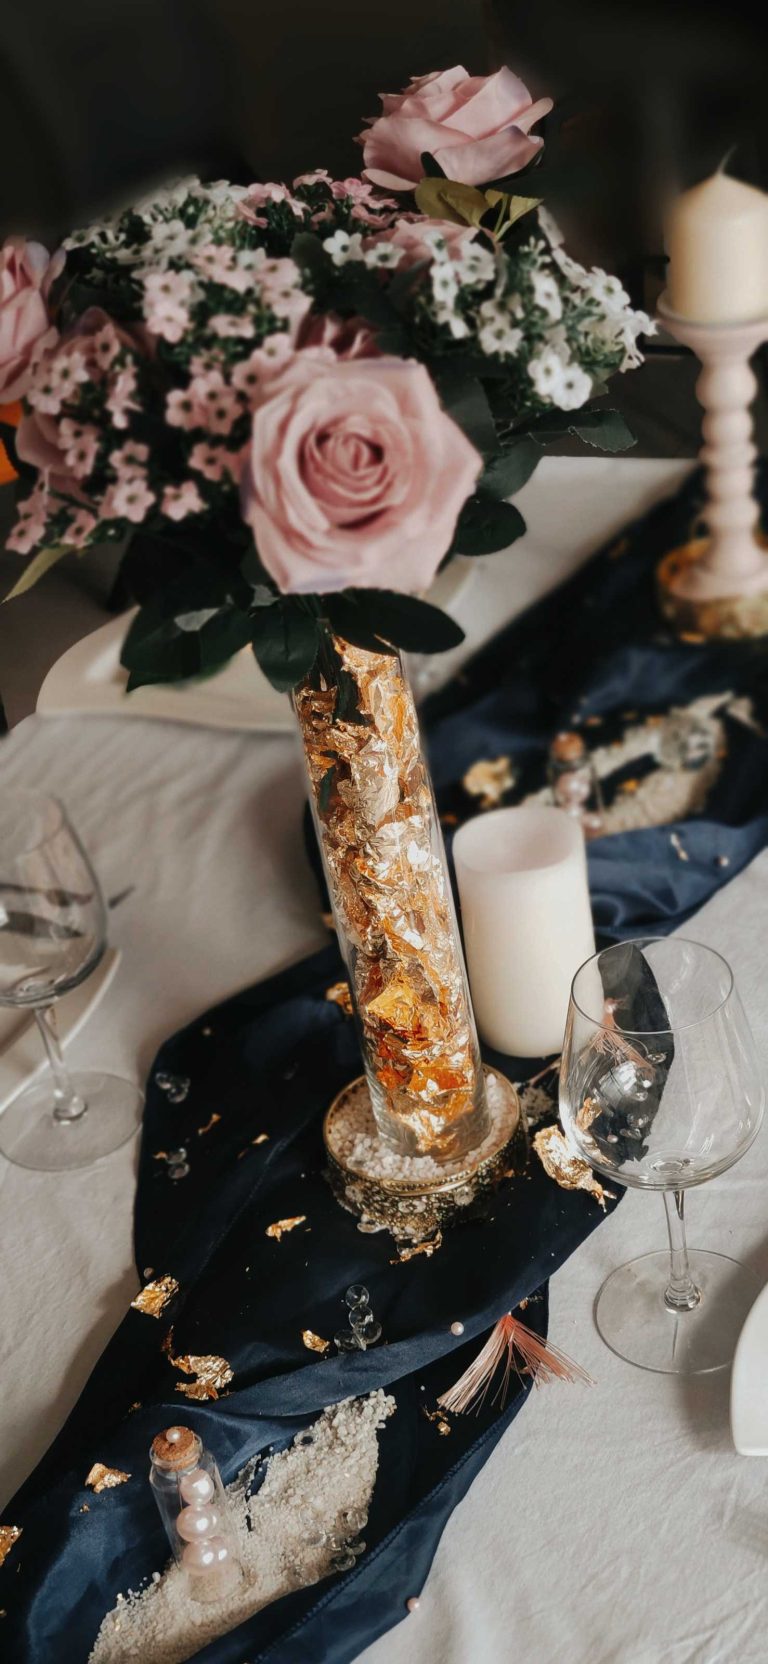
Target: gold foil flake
{"points": [[567, 1169], [313, 1342], [629, 787], [160, 1155], [9, 1534], [339, 994], [201, 1131], [440, 1421], [281, 1227], [133, 1407], [153, 1298], [488, 779], [85, 1509], [409, 1252], [102, 1478], [588, 1113], [261, 1138], [212, 1375]]}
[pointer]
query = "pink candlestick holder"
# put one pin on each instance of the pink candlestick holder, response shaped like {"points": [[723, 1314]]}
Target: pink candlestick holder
{"points": [[717, 585]]}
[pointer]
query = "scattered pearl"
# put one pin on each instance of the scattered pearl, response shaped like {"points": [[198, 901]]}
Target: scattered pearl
{"points": [[413, 1604], [457, 1328], [194, 1523], [196, 1486], [201, 1557], [173, 1434]]}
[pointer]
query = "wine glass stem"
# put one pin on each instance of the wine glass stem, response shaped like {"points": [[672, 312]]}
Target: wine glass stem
{"points": [[681, 1293], [67, 1105]]}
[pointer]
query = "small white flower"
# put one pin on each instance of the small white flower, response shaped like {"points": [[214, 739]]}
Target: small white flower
{"points": [[606, 291], [499, 338], [453, 321], [436, 241], [343, 247], [476, 266], [444, 285], [384, 254], [575, 388], [546, 294], [546, 371], [550, 228]]}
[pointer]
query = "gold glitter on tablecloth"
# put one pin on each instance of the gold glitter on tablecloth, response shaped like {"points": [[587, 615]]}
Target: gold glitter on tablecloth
{"points": [[488, 779], [313, 1342], [212, 1374], [373, 804], [201, 1131], [281, 1227], [9, 1534], [409, 1252], [339, 994], [153, 1298], [567, 1169], [440, 1421], [102, 1478]]}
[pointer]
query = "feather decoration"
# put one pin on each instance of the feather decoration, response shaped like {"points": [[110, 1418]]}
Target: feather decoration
{"points": [[510, 1346]]}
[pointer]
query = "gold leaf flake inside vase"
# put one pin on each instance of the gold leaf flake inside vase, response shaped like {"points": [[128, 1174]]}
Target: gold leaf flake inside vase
{"points": [[338, 994], [9, 1534], [567, 1169], [212, 1375], [153, 1298], [313, 1342], [102, 1478], [281, 1227]]}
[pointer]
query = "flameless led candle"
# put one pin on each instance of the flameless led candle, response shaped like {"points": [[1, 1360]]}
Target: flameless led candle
{"points": [[522, 877], [716, 237]]}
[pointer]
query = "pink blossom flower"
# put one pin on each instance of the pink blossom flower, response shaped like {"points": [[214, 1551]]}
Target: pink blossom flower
{"points": [[476, 127], [228, 324], [26, 275], [129, 499], [354, 475], [56, 378], [130, 458], [408, 234], [181, 409], [167, 296], [25, 535], [214, 260], [81, 528], [120, 400], [257, 196], [38, 442], [80, 443], [105, 346], [180, 500], [215, 403], [209, 460]]}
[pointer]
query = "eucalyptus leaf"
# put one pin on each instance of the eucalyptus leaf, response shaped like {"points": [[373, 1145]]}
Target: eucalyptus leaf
{"points": [[606, 430], [285, 639], [486, 526], [349, 617], [408, 622], [506, 474], [466, 402]]}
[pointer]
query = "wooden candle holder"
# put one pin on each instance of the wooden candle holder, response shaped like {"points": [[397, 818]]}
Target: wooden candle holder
{"points": [[718, 585]]}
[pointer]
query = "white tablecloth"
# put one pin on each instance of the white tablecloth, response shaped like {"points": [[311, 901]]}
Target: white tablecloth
{"points": [[612, 1525]]}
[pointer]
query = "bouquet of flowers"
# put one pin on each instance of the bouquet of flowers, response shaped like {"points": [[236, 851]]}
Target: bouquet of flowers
{"points": [[290, 406]]}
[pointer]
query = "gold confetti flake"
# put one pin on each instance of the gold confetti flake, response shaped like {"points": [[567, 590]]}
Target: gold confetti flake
{"points": [[409, 1252], [201, 1131], [313, 1342], [441, 1423], [629, 787], [281, 1227], [153, 1298], [488, 779], [338, 994], [102, 1478], [9, 1534], [136, 1406], [85, 1509], [160, 1155], [262, 1138], [212, 1374], [567, 1169]]}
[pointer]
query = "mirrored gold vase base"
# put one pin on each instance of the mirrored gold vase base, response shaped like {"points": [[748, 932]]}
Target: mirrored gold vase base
{"points": [[700, 618], [413, 1200]]}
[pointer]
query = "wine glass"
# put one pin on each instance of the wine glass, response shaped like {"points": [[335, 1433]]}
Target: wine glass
{"points": [[52, 935], [661, 1089]]}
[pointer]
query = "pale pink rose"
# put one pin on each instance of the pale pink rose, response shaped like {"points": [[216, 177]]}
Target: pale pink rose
{"points": [[477, 127], [354, 476], [346, 337], [26, 275], [408, 234]]}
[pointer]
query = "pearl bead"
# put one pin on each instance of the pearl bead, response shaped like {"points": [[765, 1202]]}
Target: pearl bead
{"points": [[173, 1434], [457, 1328], [202, 1557], [413, 1604], [196, 1486], [194, 1523]]}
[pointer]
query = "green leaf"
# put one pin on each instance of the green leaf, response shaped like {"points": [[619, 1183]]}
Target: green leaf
{"points": [[308, 252], [605, 429], [37, 567], [284, 638], [349, 618], [486, 525], [506, 474], [408, 622], [467, 403], [510, 208], [446, 199], [157, 649]]}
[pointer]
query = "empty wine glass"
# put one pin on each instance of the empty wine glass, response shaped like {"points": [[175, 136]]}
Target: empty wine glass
{"points": [[661, 1089], [52, 935]]}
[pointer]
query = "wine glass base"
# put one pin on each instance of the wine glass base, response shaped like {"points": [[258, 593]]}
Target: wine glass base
{"points": [[31, 1137], [634, 1322]]}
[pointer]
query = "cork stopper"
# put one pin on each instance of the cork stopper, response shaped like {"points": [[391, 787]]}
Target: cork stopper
{"points": [[176, 1448], [567, 747]]}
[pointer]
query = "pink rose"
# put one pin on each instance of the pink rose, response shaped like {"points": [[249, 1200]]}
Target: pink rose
{"points": [[408, 235], [477, 127], [355, 475], [39, 441], [26, 275]]}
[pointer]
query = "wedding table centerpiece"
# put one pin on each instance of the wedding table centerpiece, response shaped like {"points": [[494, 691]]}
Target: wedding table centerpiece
{"points": [[290, 406]]}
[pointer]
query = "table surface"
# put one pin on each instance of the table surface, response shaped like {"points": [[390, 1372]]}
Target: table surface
{"points": [[612, 1525]]}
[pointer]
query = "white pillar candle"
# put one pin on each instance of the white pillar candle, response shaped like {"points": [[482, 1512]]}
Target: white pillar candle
{"points": [[522, 877], [716, 237]]}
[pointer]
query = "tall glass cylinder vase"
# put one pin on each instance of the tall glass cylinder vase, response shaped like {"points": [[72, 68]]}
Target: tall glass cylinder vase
{"points": [[385, 864]]}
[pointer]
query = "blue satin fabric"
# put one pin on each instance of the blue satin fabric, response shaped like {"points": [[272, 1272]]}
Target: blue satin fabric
{"points": [[273, 1060]]}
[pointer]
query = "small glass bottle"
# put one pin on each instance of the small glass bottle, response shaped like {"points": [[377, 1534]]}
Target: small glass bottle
{"points": [[575, 783], [196, 1512]]}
